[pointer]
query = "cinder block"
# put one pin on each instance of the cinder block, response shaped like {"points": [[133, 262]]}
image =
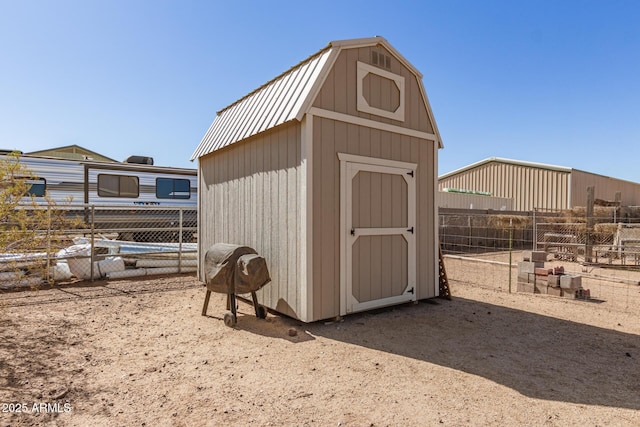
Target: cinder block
{"points": [[527, 277], [526, 287], [543, 271], [541, 280], [554, 291], [569, 293], [570, 282], [583, 293], [528, 266], [534, 256], [553, 280], [541, 288]]}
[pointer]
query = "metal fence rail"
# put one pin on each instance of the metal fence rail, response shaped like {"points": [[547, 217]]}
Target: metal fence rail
{"points": [[483, 249], [91, 242]]}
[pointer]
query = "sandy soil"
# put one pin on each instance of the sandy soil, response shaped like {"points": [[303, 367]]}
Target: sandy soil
{"points": [[139, 353]]}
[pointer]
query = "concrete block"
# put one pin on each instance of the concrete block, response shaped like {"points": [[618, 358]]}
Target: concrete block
{"points": [[569, 293], [583, 293], [541, 288], [570, 282], [553, 280], [527, 277], [534, 256], [528, 266], [557, 292], [558, 270], [541, 280], [525, 287]]}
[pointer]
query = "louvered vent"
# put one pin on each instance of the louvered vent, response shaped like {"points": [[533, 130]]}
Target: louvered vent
{"points": [[381, 60]]}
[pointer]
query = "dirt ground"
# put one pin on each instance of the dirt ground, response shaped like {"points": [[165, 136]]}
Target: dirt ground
{"points": [[139, 352]]}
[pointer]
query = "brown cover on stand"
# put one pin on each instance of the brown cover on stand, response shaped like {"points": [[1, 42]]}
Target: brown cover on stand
{"points": [[234, 269]]}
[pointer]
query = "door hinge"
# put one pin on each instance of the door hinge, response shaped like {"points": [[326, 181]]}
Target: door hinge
{"points": [[410, 230], [410, 173], [410, 291], [353, 231]]}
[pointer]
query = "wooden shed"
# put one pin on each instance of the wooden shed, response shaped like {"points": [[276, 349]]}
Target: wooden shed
{"points": [[330, 172]]}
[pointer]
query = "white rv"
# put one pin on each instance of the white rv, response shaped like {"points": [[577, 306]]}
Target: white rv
{"points": [[107, 186]]}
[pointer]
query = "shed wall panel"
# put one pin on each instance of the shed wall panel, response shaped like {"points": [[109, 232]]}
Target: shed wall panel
{"points": [[250, 196]]}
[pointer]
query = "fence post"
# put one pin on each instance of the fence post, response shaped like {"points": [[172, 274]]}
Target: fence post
{"points": [[588, 250], [535, 231], [48, 266], [510, 249], [180, 231], [91, 247], [470, 241]]}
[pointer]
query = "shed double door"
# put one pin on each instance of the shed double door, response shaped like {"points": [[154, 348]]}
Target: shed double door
{"points": [[379, 214]]}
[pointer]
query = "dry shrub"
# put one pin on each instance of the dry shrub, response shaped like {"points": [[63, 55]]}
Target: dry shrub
{"points": [[509, 221]]}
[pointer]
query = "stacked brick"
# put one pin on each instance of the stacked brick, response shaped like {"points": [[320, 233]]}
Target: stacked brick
{"points": [[534, 277]]}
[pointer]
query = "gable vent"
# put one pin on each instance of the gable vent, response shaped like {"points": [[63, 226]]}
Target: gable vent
{"points": [[381, 60]]}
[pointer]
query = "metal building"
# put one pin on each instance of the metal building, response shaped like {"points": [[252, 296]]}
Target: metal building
{"points": [[537, 185], [329, 171]]}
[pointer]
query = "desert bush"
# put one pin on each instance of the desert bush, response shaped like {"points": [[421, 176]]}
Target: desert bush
{"points": [[31, 231]]}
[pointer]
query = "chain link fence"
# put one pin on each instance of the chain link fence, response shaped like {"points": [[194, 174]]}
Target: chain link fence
{"points": [[483, 248], [92, 242]]}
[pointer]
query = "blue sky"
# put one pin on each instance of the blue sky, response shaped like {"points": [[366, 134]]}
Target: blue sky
{"points": [[543, 81]]}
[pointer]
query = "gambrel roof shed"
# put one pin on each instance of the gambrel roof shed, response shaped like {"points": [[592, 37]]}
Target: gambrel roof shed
{"points": [[330, 172]]}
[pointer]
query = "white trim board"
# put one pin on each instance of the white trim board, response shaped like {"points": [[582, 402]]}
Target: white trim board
{"points": [[306, 220], [346, 118], [363, 104], [353, 158]]}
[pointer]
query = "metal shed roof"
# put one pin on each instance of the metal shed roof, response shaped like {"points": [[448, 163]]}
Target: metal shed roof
{"points": [[508, 161], [285, 98]]}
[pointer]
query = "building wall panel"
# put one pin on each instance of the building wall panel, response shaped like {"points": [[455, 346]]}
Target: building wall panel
{"points": [[473, 201], [605, 188], [529, 187]]}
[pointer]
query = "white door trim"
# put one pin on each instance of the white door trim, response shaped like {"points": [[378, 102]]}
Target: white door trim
{"points": [[350, 165]]}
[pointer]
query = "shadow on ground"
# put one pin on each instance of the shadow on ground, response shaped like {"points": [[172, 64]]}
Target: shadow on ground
{"points": [[539, 356]]}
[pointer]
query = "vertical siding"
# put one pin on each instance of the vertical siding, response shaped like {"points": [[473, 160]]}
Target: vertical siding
{"points": [[528, 187], [605, 188], [249, 195], [332, 137]]}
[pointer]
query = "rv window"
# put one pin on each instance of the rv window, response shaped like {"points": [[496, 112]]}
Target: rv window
{"points": [[169, 188], [36, 187], [117, 186]]}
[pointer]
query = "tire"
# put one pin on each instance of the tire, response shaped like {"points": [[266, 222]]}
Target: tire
{"points": [[230, 320], [262, 312]]}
